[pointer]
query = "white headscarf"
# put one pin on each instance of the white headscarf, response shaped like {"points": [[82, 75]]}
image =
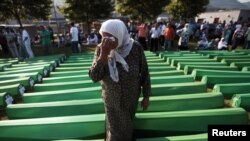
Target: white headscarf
{"points": [[119, 30]]}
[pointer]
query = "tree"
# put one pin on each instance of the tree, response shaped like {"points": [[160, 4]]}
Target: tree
{"points": [[24, 9], [186, 9], [141, 9], [87, 10]]}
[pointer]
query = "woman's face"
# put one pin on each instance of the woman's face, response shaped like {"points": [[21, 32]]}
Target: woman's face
{"points": [[107, 37]]}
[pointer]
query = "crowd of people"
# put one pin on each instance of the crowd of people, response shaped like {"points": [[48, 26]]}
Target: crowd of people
{"points": [[208, 36]]}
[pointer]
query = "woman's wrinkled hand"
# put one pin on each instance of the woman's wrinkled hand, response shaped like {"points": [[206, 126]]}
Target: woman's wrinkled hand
{"points": [[145, 103], [107, 44]]}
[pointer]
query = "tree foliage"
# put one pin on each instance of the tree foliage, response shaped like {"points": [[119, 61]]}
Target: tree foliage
{"points": [[141, 9], [87, 10], [186, 9], [24, 9]]}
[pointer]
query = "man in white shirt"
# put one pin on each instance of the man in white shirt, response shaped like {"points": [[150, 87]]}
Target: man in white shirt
{"points": [[74, 38]]}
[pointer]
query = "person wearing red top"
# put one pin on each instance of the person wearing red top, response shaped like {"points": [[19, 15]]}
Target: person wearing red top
{"points": [[169, 34], [142, 35]]}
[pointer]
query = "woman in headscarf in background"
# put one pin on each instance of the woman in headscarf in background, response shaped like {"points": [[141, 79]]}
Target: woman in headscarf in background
{"points": [[120, 64], [184, 35]]}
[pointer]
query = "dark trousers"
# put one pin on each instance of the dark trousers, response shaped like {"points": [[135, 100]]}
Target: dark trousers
{"points": [[74, 47], [142, 41], [154, 44]]}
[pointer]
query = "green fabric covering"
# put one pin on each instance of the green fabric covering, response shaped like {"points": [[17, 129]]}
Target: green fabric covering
{"points": [[156, 60], [63, 95], [244, 69], [36, 76], [160, 64], [181, 65], [242, 56], [77, 64], [228, 90], [171, 79], [228, 61], [64, 85], [180, 88], [241, 100], [174, 62], [189, 68], [184, 102], [27, 82], [186, 122], [42, 70], [55, 109], [5, 65], [195, 137], [51, 66], [240, 65], [69, 73], [95, 106], [75, 127], [14, 90], [59, 69], [166, 73], [79, 61], [170, 58], [225, 79], [5, 99], [199, 73], [161, 68], [66, 78]]}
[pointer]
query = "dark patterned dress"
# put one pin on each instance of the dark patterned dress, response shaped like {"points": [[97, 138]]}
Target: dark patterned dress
{"points": [[121, 98]]}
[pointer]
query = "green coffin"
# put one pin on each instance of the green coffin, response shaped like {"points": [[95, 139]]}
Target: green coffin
{"points": [[83, 64], [66, 78], [27, 82], [189, 68], [55, 109], [242, 56], [42, 70], [178, 88], [228, 90], [229, 61], [153, 64], [184, 102], [244, 69], [195, 137], [196, 57], [199, 73], [174, 62], [59, 69], [63, 95], [225, 79], [14, 90], [240, 65], [186, 122], [171, 79], [95, 106], [5, 99], [69, 73], [36, 76], [241, 100], [181, 65], [64, 85], [50, 66], [166, 73], [54, 128], [161, 68]]}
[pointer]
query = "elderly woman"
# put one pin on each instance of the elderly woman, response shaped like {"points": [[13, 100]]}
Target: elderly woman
{"points": [[121, 66]]}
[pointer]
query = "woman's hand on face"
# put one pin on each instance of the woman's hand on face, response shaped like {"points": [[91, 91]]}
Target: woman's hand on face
{"points": [[107, 44]]}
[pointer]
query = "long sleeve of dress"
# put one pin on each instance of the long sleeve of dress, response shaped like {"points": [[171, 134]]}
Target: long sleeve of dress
{"points": [[97, 71], [145, 77]]}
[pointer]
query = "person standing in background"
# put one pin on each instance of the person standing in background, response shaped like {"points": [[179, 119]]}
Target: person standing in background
{"points": [[142, 35], [74, 38], [46, 40], [26, 42]]}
